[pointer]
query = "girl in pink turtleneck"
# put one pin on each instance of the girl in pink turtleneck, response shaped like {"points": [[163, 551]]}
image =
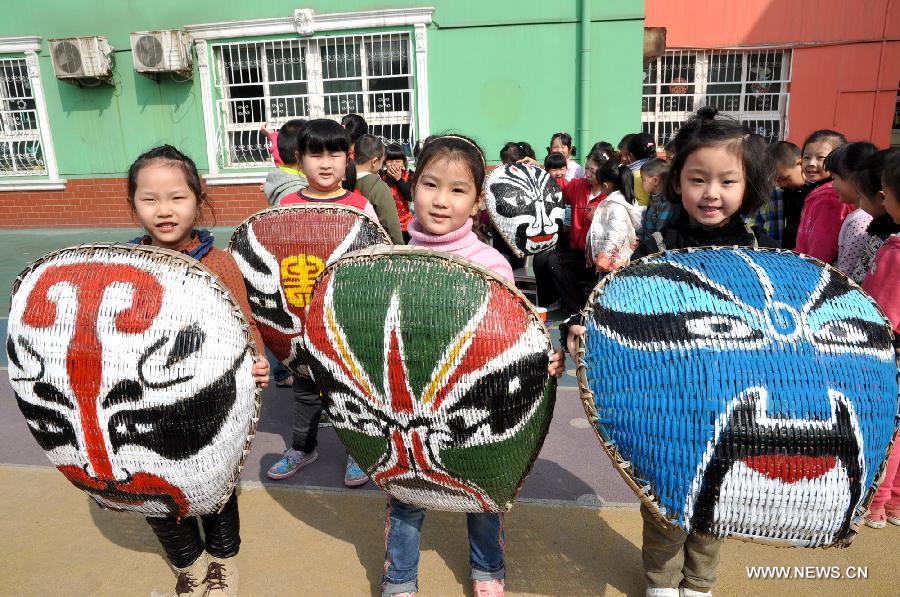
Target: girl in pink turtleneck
{"points": [[447, 193]]}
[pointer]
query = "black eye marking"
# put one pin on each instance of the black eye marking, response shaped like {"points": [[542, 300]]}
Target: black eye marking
{"points": [[125, 391], [49, 393], [50, 429], [187, 342]]}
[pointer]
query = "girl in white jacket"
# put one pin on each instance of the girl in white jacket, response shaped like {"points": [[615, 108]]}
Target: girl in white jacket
{"points": [[612, 236]]}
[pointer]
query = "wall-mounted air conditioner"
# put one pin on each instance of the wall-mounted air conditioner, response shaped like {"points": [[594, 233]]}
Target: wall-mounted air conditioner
{"points": [[157, 52], [82, 58]]}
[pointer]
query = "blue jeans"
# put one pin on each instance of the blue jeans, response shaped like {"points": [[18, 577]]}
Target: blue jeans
{"points": [[279, 371], [403, 527]]}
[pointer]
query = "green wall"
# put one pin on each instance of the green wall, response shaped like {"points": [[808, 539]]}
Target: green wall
{"points": [[500, 71]]}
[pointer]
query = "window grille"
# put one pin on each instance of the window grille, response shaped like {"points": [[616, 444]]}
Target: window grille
{"points": [[21, 153], [326, 77], [750, 86]]}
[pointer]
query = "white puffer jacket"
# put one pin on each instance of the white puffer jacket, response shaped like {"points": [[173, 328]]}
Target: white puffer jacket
{"points": [[612, 236]]}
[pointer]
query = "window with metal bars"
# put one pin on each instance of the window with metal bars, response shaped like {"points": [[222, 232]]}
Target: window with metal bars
{"points": [[21, 153], [750, 86], [326, 77]]}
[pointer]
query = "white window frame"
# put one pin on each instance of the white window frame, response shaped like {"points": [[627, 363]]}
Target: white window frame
{"points": [[304, 23], [657, 119], [308, 66], [12, 48]]}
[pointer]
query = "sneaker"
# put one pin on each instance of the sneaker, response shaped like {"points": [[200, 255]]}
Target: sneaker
{"points": [[286, 382], [354, 476], [488, 588], [875, 521], [189, 581], [290, 463], [686, 592], [662, 592], [325, 421], [893, 519], [222, 578]]}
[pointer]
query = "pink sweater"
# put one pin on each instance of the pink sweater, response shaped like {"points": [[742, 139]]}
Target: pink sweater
{"points": [[883, 280], [820, 223], [464, 243]]}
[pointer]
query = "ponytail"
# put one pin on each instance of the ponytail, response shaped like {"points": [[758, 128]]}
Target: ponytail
{"points": [[620, 175], [349, 182], [626, 184]]}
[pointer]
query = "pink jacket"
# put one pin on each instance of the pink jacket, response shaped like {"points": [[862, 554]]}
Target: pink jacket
{"points": [[883, 280], [820, 223], [464, 243]]}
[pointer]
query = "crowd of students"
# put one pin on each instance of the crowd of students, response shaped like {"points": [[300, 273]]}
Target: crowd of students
{"points": [[717, 185]]}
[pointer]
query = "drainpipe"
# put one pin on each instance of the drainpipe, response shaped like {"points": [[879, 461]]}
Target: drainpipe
{"points": [[584, 128]]}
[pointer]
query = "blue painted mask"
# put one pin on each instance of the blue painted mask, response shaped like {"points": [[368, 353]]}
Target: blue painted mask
{"points": [[754, 392]]}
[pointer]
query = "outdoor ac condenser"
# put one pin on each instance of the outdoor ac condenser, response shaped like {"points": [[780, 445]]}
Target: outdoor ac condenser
{"points": [[157, 52], [82, 58]]}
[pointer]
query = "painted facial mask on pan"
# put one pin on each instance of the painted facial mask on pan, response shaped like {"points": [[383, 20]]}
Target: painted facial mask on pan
{"points": [[282, 252], [449, 410], [526, 204], [798, 364], [130, 389]]}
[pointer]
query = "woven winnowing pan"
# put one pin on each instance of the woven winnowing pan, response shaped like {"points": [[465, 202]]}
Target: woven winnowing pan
{"points": [[376, 253], [197, 269], [312, 207], [643, 490]]}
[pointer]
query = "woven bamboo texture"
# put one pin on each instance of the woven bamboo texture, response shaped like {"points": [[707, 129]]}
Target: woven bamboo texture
{"points": [[132, 367], [435, 376], [526, 206], [742, 393], [281, 251]]}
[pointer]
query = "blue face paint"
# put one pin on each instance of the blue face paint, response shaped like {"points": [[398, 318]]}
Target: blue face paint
{"points": [[754, 391]]}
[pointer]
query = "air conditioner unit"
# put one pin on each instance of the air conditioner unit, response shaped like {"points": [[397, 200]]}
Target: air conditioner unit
{"points": [[82, 58], [162, 52]]}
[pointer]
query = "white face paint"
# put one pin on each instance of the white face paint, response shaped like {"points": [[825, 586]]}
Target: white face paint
{"points": [[133, 372]]}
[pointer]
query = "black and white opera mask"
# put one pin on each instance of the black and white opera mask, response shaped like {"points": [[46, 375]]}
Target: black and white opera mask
{"points": [[132, 367], [526, 206]]}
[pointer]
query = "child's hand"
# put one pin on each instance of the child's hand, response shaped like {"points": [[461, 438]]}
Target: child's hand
{"points": [[395, 171], [263, 129], [572, 339], [557, 365], [529, 161], [260, 372]]}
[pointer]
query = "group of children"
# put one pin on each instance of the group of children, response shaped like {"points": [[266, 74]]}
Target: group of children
{"points": [[715, 179], [446, 191]]}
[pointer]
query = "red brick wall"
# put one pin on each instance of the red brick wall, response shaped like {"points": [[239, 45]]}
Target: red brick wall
{"points": [[101, 203]]}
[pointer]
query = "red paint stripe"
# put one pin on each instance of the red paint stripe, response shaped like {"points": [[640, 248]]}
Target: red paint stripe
{"points": [[84, 356], [401, 401], [402, 464]]}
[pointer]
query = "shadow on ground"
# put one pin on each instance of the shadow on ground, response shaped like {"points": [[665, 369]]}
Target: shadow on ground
{"points": [[125, 529], [550, 550]]}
